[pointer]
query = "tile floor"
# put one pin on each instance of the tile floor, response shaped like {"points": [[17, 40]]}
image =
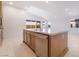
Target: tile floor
{"points": [[73, 43], [14, 48]]}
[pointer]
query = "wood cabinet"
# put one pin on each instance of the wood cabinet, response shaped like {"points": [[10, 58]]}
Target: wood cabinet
{"points": [[44, 45], [1, 25], [0, 14], [58, 44], [0, 8], [26, 35], [41, 45], [32, 41], [28, 38], [0, 37]]}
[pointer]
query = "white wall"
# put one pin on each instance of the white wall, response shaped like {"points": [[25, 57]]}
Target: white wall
{"points": [[58, 17], [14, 19], [13, 22]]}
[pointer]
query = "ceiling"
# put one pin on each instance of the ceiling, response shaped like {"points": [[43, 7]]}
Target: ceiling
{"points": [[43, 4], [70, 7]]}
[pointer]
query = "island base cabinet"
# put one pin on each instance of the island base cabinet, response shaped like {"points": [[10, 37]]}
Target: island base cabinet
{"points": [[26, 37], [58, 45], [32, 41], [41, 45], [46, 45]]}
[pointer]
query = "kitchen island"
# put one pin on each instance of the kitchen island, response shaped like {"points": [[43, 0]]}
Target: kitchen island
{"points": [[46, 43]]}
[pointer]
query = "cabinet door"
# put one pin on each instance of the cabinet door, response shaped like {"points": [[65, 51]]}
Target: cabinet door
{"points": [[27, 37], [32, 44], [1, 37], [0, 8], [41, 45], [58, 44], [24, 35]]}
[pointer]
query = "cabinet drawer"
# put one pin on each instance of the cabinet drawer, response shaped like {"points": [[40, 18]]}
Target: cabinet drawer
{"points": [[41, 36]]}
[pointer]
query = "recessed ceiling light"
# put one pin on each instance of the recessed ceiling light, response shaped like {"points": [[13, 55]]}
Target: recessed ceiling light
{"points": [[11, 3]]}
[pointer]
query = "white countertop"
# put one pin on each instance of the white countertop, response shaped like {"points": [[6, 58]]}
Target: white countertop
{"points": [[46, 32]]}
